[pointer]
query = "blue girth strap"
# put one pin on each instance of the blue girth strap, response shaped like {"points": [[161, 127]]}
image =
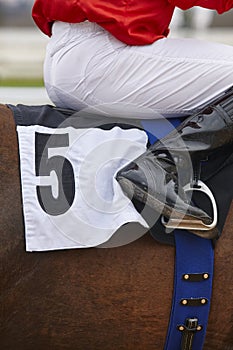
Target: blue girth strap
{"points": [[192, 292], [193, 273]]}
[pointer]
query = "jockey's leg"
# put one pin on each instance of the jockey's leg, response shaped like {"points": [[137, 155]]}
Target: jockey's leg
{"points": [[153, 176], [85, 66]]}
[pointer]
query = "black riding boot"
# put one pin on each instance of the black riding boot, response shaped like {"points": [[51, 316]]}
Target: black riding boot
{"points": [[157, 176]]}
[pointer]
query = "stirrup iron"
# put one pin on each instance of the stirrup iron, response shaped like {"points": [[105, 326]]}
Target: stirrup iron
{"points": [[193, 224]]}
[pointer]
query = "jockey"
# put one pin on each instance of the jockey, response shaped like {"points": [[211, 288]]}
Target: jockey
{"points": [[116, 56]]}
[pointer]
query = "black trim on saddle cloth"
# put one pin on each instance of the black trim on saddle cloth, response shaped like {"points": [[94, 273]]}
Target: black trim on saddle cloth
{"points": [[217, 172], [52, 117]]}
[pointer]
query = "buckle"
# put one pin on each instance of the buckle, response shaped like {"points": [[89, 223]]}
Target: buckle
{"points": [[193, 224]]}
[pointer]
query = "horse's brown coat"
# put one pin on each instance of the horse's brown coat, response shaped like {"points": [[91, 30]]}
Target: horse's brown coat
{"points": [[104, 299]]}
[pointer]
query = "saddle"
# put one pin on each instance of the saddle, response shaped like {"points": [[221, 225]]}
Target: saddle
{"points": [[215, 195]]}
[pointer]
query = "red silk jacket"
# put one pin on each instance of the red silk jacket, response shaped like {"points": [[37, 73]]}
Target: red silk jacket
{"points": [[135, 22]]}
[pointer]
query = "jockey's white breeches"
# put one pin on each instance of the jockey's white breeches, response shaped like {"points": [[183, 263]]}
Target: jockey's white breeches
{"points": [[86, 67]]}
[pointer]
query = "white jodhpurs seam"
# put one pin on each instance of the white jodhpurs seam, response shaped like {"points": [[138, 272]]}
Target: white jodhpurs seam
{"points": [[86, 67]]}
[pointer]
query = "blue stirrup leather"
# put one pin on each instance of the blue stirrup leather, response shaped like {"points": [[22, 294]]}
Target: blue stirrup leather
{"points": [[192, 292], [193, 274]]}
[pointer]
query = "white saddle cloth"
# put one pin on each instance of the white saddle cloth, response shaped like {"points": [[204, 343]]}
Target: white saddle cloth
{"points": [[99, 207]]}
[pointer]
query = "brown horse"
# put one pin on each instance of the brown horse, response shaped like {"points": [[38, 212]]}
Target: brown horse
{"points": [[117, 298]]}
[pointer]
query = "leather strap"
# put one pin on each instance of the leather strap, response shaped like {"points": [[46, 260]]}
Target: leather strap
{"points": [[192, 292]]}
